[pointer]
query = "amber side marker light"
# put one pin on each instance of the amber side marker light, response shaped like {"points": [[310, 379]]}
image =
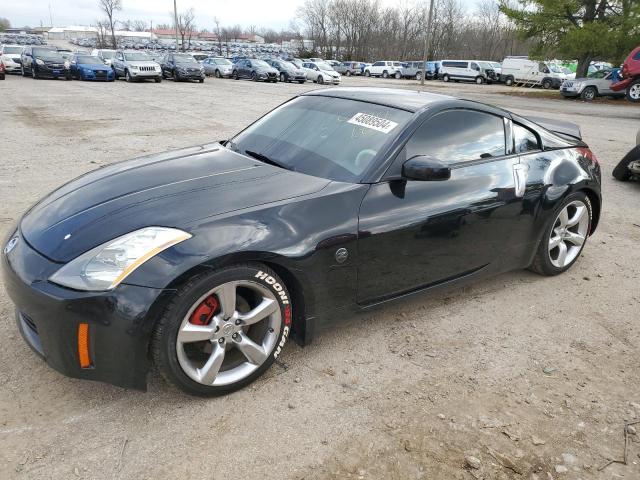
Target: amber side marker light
{"points": [[83, 345]]}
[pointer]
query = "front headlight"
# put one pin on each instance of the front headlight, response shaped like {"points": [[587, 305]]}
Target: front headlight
{"points": [[134, 67], [106, 266], [39, 62]]}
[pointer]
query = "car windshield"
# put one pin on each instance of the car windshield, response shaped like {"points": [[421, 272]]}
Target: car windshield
{"points": [[554, 68], [137, 57], [324, 66], [260, 63], [495, 64], [222, 61], [47, 54], [88, 60], [184, 59], [12, 50], [108, 53], [485, 65], [325, 137]]}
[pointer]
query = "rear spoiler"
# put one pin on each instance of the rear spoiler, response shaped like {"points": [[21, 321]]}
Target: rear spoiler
{"points": [[558, 126]]}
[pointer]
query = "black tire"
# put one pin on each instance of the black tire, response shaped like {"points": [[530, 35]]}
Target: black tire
{"points": [[419, 76], [541, 262], [115, 73], [546, 84], [632, 90], [589, 93], [301, 82], [367, 73], [621, 172], [235, 75], [445, 78], [164, 337], [158, 79], [479, 80], [175, 76], [348, 73], [127, 76], [67, 76], [397, 76], [320, 80], [254, 77], [201, 80], [24, 74], [34, 74], [385, 74], [508, 81], [217, 74]]}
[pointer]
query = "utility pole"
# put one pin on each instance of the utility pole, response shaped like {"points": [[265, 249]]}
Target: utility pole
{"points": [[427, 44], [175, 13]]}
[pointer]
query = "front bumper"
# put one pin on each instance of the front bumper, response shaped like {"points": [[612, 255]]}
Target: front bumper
{"points": [[191, 75], [12, 66], [569, 92], [104, 76], [120, 321], [145, 73], [52, 72]]}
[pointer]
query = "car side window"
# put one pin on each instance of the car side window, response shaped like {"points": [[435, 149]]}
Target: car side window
{"points": [[637, 55], [459, 135], [474, 66], [525, 140]]}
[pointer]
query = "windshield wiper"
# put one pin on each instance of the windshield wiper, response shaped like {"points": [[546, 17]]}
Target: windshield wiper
{"points": [[265, 159]]}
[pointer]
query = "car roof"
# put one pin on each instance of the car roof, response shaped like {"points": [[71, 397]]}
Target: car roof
{"points": [[410, 100]]}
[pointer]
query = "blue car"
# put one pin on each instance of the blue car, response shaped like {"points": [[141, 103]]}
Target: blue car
{"points": [[87, 67]]}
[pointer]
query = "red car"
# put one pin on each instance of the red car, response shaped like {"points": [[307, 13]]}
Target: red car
{"points": [[631, 76]]}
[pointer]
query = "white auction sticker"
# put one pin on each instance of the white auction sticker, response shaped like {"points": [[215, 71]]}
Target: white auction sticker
{"points": [[371, 121]]}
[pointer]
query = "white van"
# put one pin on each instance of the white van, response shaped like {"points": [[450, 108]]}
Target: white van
{"points": [[465, 70], [523, 70]]}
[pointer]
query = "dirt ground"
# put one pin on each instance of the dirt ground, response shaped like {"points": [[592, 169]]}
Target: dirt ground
{"points": [[532, 376]]}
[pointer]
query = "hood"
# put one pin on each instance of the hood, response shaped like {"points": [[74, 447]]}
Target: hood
{"points": [[94, 66], [266, 70], [143, 63], [172, 189], [12, 56]]}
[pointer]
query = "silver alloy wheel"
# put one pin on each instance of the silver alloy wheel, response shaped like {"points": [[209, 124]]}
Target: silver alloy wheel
{"points": [[238, 339], [568, 234], [634, 91]]}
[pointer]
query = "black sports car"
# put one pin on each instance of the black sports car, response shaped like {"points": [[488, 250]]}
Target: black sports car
{"points": [[205, 260]]}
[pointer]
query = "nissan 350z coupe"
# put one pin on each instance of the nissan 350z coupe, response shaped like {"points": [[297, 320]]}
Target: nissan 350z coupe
{"points": [[206, 260]]}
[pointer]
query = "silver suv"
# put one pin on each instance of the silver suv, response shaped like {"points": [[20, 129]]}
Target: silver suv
{"points": [[134, 66], [595, 84]]}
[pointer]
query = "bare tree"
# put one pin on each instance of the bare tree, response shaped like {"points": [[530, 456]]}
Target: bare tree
{"points": [[186, 25], [109, 7]]}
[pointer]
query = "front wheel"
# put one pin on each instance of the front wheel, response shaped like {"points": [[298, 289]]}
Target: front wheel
{"points": [[320, 79], [367, 73], [283, 78], [254, 77], [217, 74], [348, 73], [201, 80], [546, 84], [419, 76], [588, 94], [565, 236], [223, 329], [445, 78], [397, 76], [127, 76], [235, 75], [508, 81], [622, 172], [633, 91], [479, 80], [176, 77], [385, 74], [158, 79]]}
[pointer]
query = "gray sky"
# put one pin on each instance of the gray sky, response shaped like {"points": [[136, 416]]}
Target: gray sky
{"points": [[261, 13]]}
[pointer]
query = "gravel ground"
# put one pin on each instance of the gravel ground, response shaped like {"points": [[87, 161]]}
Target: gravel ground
{"points": [[532, 377]]}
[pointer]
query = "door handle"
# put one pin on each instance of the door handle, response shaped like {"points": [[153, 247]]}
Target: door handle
{"points": [[520, 179]]}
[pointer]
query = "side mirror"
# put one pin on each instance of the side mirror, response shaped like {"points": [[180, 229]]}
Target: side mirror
{"points": [[425, 168]]}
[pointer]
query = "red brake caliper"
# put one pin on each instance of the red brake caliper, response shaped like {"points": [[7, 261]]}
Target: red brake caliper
{"points": [[204, 312]]}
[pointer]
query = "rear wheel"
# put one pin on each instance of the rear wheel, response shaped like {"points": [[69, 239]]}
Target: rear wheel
{"points": [[508, 81], [588, 94], [367, 73], [398, 76], [222, 330], [235, 75], [445, 78], [320, 79], [633, 91], [546, 84], [385, 74], [283, 78], [254, 77], [217, 74], [565, 237], [479, 80], [419, 76], [348, 73]]}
